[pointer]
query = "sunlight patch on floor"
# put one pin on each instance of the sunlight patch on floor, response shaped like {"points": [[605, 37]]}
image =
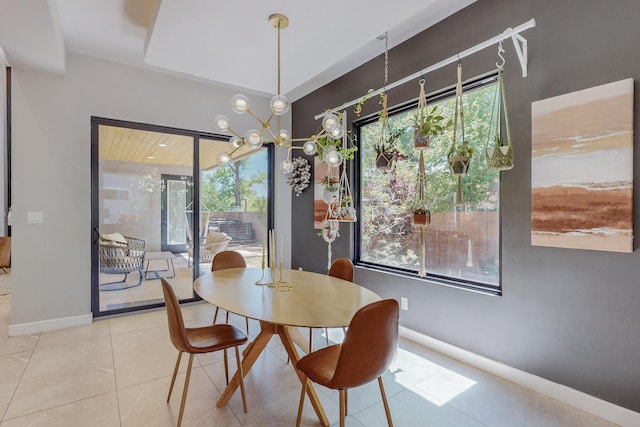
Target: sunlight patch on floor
{"points": [[428, 380]]}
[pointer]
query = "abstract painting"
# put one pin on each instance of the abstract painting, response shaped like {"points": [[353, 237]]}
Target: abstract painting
{"points": [[582, 169]]}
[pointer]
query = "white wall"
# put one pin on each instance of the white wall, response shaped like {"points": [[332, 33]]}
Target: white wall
{"points": [[51, 171]]}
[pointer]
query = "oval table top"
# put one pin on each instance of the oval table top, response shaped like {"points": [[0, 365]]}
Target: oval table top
{"points": [[314, 300]]}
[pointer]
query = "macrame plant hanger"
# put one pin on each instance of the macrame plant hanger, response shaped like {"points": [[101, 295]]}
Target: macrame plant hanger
{"points": [[459, 154], [384, 156], [499, 153], [421, 212]]}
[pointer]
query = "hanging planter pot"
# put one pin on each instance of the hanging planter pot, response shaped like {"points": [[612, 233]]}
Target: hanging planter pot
{"points": [[420, 142], [384, 159], [422, 217], [459, 165], [499, 153], [428, 124]]}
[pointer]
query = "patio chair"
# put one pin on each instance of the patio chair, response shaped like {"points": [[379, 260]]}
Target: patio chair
{"points": [[214, 243], [121, 255]]}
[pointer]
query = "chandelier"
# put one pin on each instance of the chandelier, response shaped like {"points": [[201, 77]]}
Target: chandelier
{"points": [[150, 180], [279, 105]]}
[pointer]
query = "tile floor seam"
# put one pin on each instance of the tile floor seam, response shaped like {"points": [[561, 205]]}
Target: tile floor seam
{"points": [[16, 389]]}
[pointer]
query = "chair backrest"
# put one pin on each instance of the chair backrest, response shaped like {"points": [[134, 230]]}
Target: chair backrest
{"points": [[177, 331], [5, 251], [228, 259], [369, 346], [342, 268]]}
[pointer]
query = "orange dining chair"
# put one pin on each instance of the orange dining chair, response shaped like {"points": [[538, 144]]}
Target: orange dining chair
{"points": [[367, 351], [205, 339], [223, 260], [341, 268]]}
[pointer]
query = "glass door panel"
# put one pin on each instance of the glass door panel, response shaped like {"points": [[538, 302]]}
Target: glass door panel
{"points": [[144, 180], [234, 202]]}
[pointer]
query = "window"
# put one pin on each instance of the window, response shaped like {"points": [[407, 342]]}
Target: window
{"points": [[462, 244]]}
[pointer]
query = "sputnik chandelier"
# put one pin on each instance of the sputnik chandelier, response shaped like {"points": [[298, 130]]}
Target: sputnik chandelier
{"points": [[279, 104]]}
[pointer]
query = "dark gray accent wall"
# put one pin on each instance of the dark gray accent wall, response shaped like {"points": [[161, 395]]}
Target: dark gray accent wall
{"points": [[570, 316]]}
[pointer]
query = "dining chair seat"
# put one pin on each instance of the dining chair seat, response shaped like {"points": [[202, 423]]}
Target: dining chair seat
{"points": [[205, 339]]}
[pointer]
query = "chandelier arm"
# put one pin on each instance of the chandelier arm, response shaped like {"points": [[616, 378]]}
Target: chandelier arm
{"points": [[262, 122], [235, 134]]}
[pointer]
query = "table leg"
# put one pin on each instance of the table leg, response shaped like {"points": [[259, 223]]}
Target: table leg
{"points": [[255, 348], [289, 345]]}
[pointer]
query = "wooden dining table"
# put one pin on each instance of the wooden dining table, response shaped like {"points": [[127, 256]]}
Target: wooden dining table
{"points": [[303, 299]]}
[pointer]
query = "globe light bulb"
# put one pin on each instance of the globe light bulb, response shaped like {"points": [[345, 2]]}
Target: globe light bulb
{"points": [[336, 133], [333, 158], [279, 105], [222, 122], [253, 139], [310, 148], [330, 122], [235, 141], [223, 158], [283, 136], [286, 166], [239, 103]]}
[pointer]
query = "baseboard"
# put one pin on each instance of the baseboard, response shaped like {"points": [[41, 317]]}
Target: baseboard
{"points": [[49, 325], [585, 402]]}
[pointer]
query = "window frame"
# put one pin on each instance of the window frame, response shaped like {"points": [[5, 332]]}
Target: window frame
{"points": [[437, 96]]}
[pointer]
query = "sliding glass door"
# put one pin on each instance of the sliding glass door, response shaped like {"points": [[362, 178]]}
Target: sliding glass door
{"points": [[144, 189]]}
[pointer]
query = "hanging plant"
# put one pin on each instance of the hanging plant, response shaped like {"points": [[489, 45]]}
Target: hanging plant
{"points": [[500, 152], [300, 176], [428, 124], [460, 153], [385, 147]]}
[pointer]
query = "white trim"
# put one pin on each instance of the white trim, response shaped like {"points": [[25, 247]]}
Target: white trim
{"points": [[577, 399], [49, 325]]}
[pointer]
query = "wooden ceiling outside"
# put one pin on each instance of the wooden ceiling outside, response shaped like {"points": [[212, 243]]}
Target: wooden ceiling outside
{"points": [[143, 146]]}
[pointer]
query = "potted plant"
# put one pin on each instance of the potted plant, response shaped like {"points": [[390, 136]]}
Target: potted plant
{"points": [[385, 148], [331, 188], [347, 211], [459, 157], [427, 127], [421, 216]]}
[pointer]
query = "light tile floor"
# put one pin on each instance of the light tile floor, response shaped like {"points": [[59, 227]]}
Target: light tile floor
{"points": [[116, 372]]}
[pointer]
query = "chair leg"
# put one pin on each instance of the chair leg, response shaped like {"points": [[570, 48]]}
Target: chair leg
{"points": [[346, 402], [215, 315], [304, 391], [186, 390], [343, 410], [175, 373], [5, 270], [384, 401], [246, 319], [326, 335], [310, 340], [241, 376], [226, 366]]}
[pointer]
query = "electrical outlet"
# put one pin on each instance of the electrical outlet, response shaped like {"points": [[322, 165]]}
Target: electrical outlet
{"points": [[404, 303]]}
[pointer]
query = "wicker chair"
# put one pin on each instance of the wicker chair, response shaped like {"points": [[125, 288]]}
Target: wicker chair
{"points": [[117, 257], [214, 243]]}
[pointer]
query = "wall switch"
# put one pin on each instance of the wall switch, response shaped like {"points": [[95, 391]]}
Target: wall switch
{"points": [[404, 303], [35, 217]]}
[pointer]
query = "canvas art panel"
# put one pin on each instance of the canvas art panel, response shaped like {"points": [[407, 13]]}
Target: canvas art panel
{"points": [[582, 169]]}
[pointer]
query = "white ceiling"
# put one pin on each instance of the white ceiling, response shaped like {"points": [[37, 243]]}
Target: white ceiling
{"points": [[228, 43]]}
